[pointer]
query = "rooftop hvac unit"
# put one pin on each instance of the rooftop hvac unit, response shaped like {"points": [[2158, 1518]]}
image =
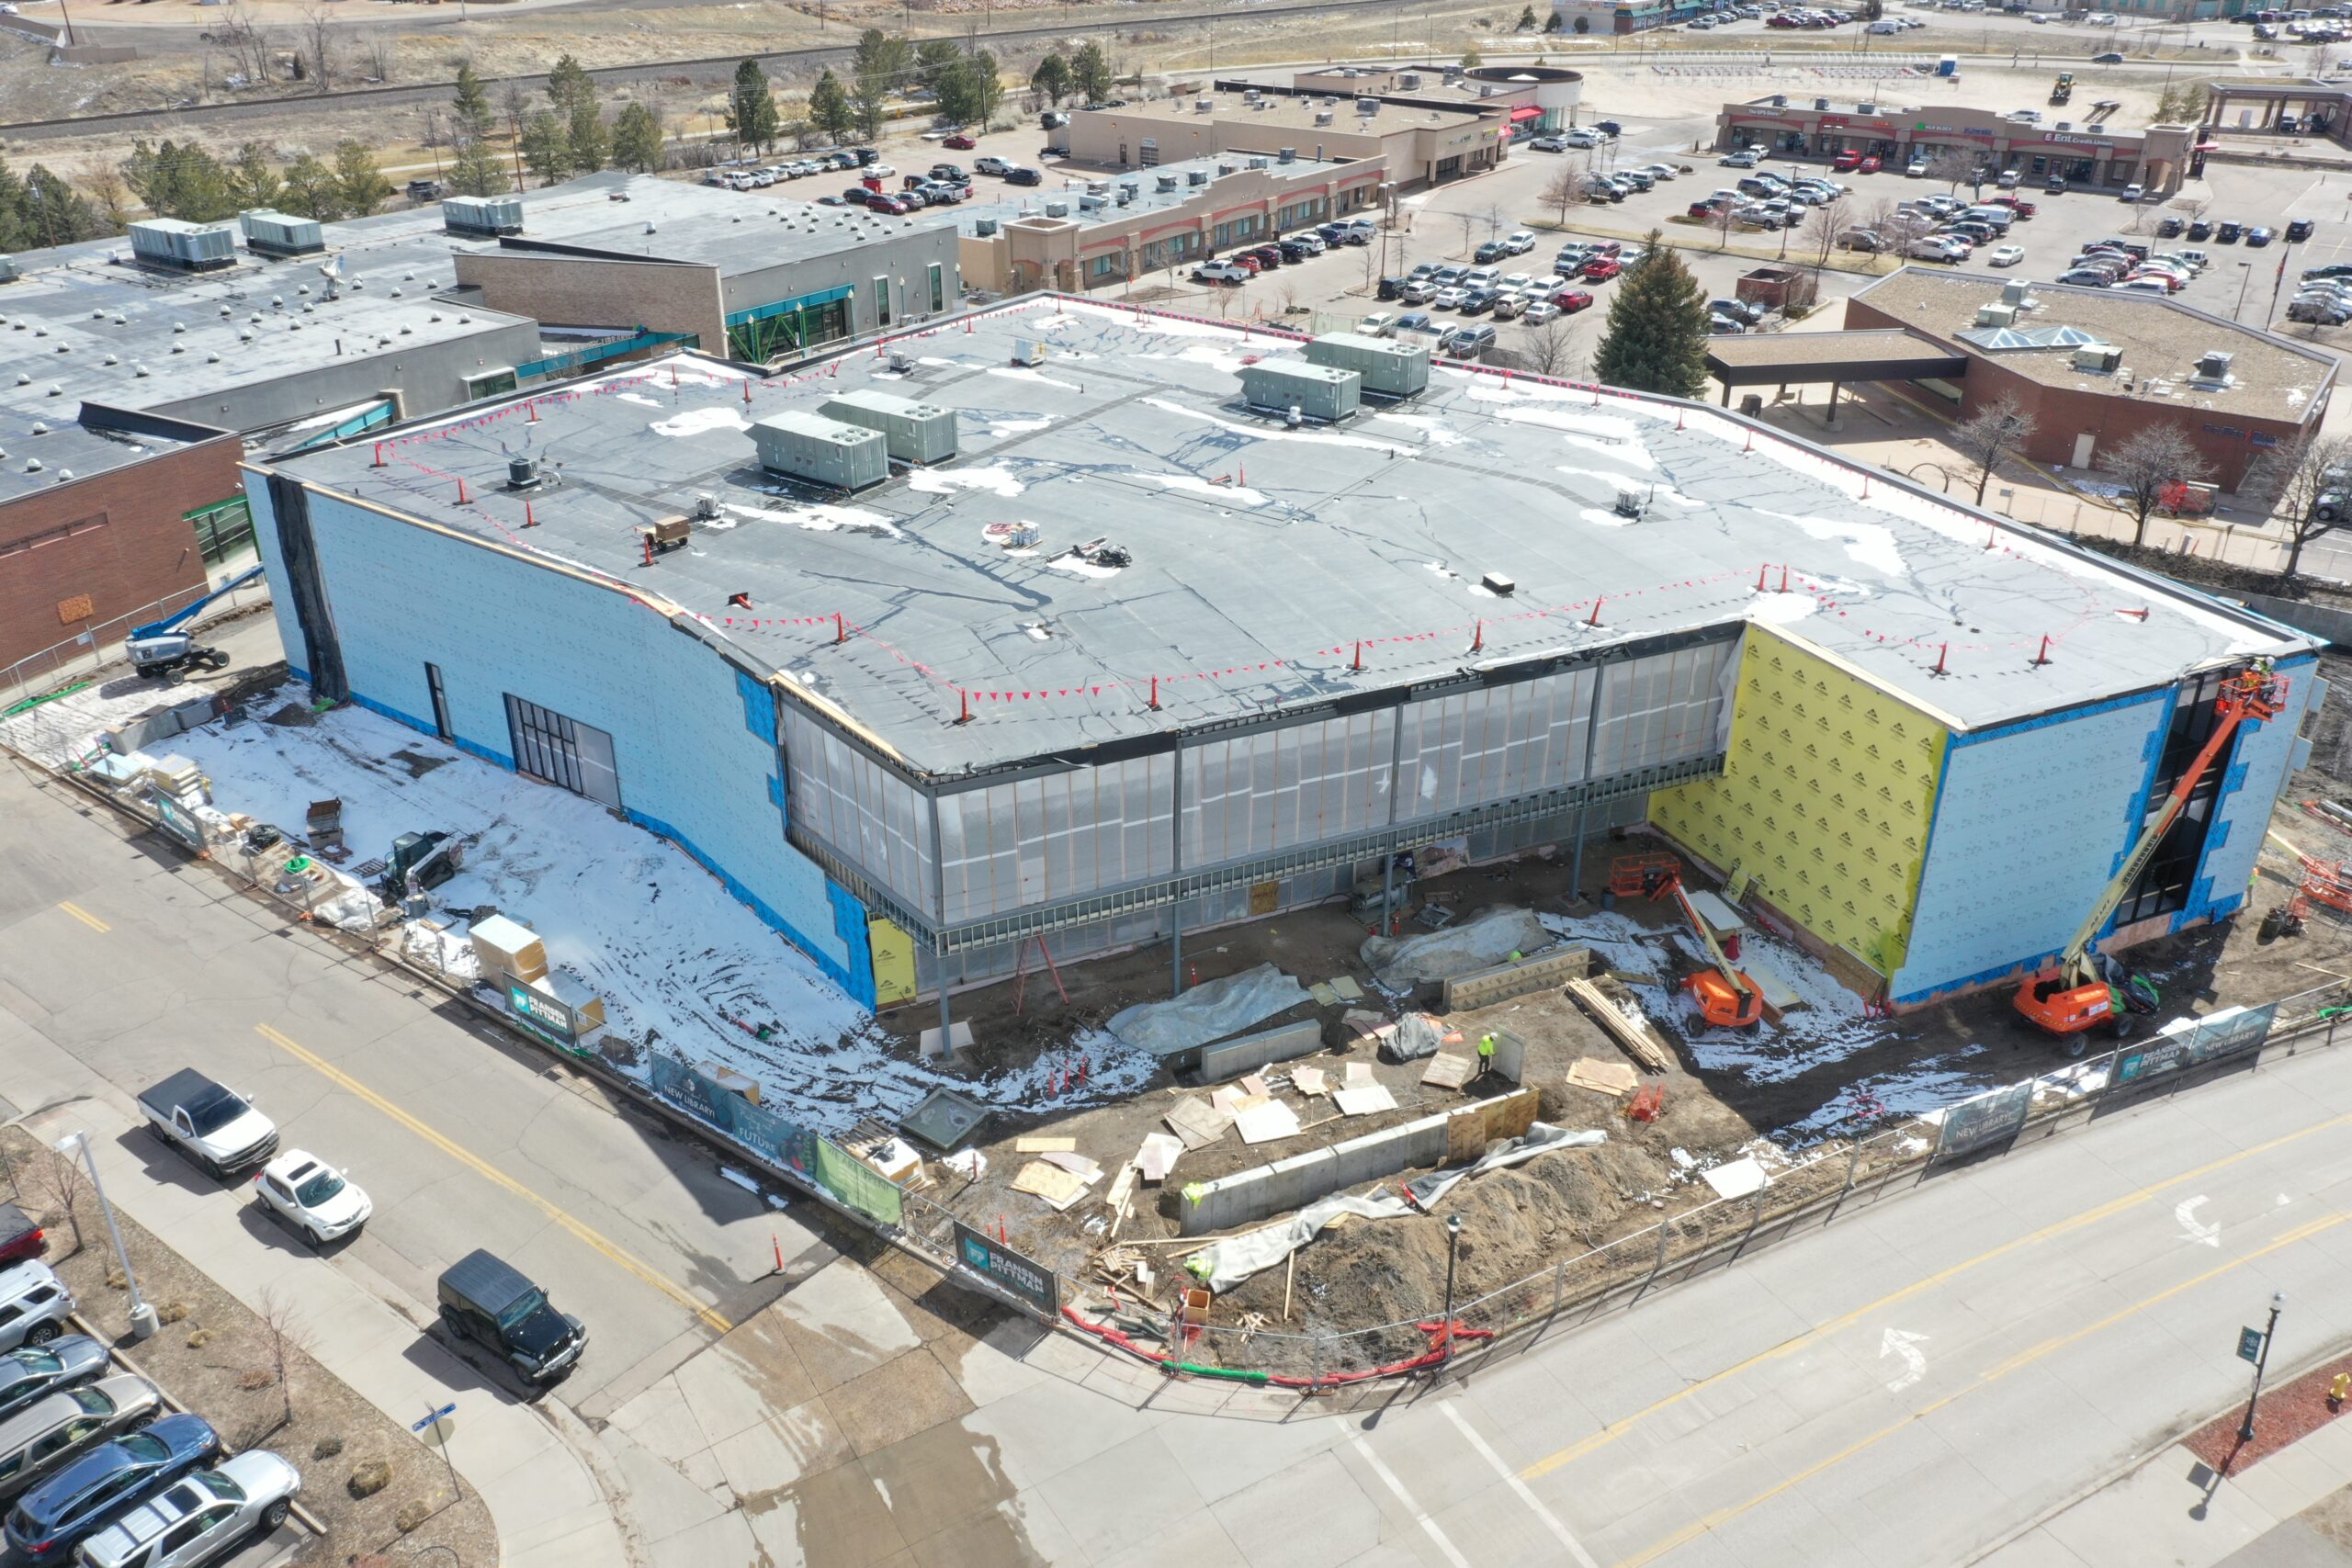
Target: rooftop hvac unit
{"points": [[1866, 108], [2098, 356], [1060, 208], [1288, 155], [1028, 351], [1090, 204], [1322, 117], [1250, 95], [2013, 294], [1389, 368], [1318, 392], [1409, 80], [1126, 194], [1367, 106], [482, 214], [1996, 315], [983, 228], [911, 432], [821, 451], [1196, 177], [1821, 103], [1257, 162], [1167, 182], [2214, 366], [1779, 100], [8, 273], [189, 247], [281, 234], [1224, 169], [1202, 106]]}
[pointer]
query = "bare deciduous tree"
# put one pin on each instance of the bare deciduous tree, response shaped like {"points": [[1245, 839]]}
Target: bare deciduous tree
{"points": [[318, 37], [55, 1180], [1565, 190], [102, 178], [2305, 482], [2147, 463], [1953, 167], [1824, 224], [1721, 221], [1469, 229], [1993, 431], [380, 57], [286, 1337], [1550, 349]]}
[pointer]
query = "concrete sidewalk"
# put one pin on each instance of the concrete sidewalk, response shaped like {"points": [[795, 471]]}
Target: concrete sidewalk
{"points": [[531, 1472], [2172, 1508]]}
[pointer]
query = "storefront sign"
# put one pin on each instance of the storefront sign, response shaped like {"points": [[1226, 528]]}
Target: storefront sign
{"points": [[1031, 1280], [2057, 139]]}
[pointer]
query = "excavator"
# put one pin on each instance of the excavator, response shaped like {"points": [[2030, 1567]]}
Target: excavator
{"points": [[2082, 990], [1726, 998]]}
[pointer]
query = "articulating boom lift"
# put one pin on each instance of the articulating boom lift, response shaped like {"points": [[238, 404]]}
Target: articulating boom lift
{"points": [[2075, 995], [1726, 998]]}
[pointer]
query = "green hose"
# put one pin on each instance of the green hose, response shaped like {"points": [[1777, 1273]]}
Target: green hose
{"points": [[1229, 1374]]}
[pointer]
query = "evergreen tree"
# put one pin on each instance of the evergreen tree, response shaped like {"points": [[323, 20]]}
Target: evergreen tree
{"points": [[1526, 19], [1657, 340], [253, 178], [471, 107], [574, 97], [637, 139], [360, 184], [750, 108], [969, 94], [881, 62], [1470, 58], [16, 216], [935, 59], [829, 108], [180, 181], [312, 190], [1552, 22], [1089, 73], [1051, 80], [547, 148], [477, 169], [55, 212]]}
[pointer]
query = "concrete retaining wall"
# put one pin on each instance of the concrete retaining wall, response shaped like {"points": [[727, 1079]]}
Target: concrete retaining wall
{"points": [[2319, 620], [1247, 1195], [1484, 987], [1234, 1057]]}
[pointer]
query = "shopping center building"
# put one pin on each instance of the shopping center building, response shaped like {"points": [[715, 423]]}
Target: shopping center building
{"points": [[2102, 157]]}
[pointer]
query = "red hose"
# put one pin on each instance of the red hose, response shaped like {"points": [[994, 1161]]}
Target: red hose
{"points": [[1436, 1355]]}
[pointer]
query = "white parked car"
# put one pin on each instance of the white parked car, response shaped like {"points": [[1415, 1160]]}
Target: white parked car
{"points": [[1380, 324], [200, 1518], [1539, 312], [312, 1196], [1518, 241], [2006, 256], [1449, 298], [1660, 171], [1916, 168]]}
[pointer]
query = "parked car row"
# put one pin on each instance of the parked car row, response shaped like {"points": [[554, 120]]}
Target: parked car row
{"points": [[798, 169], [97, 1466], [1240, 267]]}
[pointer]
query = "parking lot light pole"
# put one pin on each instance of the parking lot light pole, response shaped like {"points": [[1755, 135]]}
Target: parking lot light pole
{"points": [[143, 1322], [1453, 1253], [2246, 275]]}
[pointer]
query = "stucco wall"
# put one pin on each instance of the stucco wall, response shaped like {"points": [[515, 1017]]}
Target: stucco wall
{"points": [[691, 766], [668, 297], [429, 377]]}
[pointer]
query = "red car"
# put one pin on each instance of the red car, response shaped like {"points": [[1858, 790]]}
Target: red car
{"points": [[1847, 160], [1571, 300], [1869, 165], [2022, 209], [1600, 269], [960, 143], [1247, 263], [20, 1239]]}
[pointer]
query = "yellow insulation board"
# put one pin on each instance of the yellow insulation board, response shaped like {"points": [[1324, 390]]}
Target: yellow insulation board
{"points": [[1825, 800]]}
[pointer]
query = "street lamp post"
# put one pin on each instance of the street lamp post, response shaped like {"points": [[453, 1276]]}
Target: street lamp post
{"points": [[2277, 1305], [2246, 275], [143, 1322]]}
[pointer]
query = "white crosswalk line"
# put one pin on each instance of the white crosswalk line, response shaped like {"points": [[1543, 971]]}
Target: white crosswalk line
{"points": [[1526, 1494], [1388, 1479]]}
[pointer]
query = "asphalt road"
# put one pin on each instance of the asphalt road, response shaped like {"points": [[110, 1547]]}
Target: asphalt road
{"points": [[117, 950]]}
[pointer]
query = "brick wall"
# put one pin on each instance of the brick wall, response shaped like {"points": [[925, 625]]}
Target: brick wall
{"points": [[120, 539], [2062, 413]]}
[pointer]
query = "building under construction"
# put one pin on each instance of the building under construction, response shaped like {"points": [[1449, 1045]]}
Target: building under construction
{"points": [[1074, 623]]}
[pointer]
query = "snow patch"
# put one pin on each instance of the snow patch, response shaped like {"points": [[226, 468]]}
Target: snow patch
{"points": [[1779, 609], [1606, 425], [1434, 432], [1005, 429], [1267, 433], [1195, 485], [697, 421], [996, 481], [1023, 373], [820, 517], [639, 398], [1872, 544]]}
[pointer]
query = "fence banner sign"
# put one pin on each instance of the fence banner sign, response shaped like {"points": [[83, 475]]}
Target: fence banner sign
{"points": [[1986, 1120], [2188, 1042], [547, 1017], [176, 819], [1031, 1280], [858, 1184]]}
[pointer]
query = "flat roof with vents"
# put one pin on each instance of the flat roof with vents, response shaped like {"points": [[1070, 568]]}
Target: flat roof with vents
{"points": [[1261, 554]]}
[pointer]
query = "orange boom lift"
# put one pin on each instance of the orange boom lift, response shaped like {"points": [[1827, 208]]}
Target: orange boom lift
{"points": [[1726, 998], [2073, 996]]}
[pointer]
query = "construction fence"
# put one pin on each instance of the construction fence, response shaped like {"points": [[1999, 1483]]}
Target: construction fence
{"points": [[99, 644], [1812, 1189]]}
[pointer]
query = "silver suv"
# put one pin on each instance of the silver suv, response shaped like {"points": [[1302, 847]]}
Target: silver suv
{"points": [[34, 1304]]}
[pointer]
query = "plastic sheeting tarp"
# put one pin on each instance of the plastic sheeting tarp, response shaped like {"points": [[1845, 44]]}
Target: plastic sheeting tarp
{"points": [[1417, 1034], [1210, 1011], [1403, 962], [1223, 1264]]}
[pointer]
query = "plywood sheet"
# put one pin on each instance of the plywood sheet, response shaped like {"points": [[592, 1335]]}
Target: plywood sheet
{"points": [[1058, 1187], [1735, 1179], [1043, 1146], [1369, 1100], [1157, 1155], [1309, 1080], [1196, 1123], [1265, 1123], [1448, 1071], [1606, 1078]]}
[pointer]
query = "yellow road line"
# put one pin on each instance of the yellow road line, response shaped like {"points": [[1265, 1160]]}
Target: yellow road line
{"points": [[482, 1167], [1618, 1428], [2024, 1359], [85, 916]]}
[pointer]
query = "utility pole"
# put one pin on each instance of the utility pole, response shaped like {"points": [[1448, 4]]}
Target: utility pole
{"points": [[2261, 1362], [143, 1322]]}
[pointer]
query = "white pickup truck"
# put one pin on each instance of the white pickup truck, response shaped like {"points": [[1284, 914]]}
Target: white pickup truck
{"points": [[216, 1127]]}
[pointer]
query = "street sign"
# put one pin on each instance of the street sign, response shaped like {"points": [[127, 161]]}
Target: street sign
{"points": [[442, 1414], [2250, 1344]]}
